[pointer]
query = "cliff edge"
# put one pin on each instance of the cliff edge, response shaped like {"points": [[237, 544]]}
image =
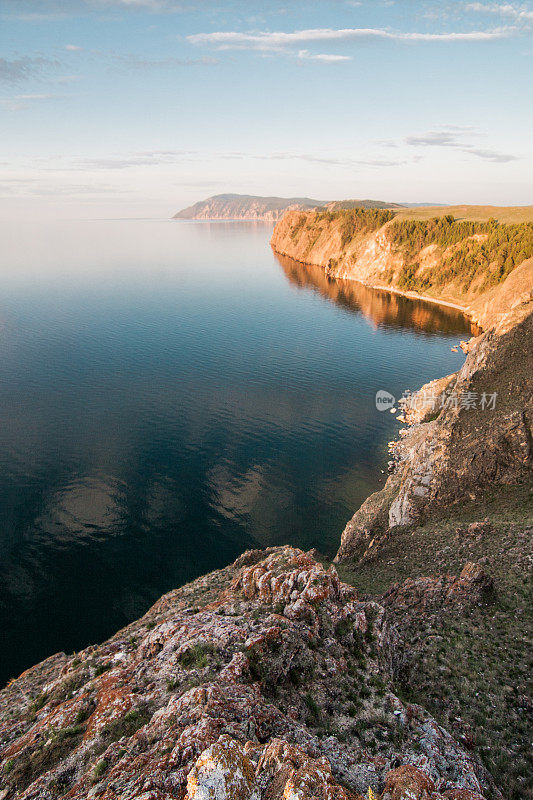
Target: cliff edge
{"points": [[267, 680], [482, 264], [467, 434]]}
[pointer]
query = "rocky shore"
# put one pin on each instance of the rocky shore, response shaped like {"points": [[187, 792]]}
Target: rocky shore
{"points": [[457, 445]]}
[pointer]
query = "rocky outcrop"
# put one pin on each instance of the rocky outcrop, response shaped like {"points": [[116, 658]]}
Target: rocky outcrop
{"points": [[267, 680], [472, 586], [468, 433]]}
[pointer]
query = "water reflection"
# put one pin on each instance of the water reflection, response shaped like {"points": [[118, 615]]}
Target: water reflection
{"points": [[379, 307], [168, 400]]}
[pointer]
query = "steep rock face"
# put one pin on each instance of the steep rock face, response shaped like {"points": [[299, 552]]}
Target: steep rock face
{"points": [[372, 258], [263, 681], [471, 446]]}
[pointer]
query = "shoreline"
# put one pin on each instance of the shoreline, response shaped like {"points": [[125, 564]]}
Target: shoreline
{"points": [[391, 289]]}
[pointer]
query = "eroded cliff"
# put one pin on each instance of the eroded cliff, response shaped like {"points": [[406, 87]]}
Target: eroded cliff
{"points": [[468, 433], [484, 266]]}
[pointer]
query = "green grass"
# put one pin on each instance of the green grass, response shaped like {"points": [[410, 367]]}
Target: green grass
{"points": [[126, 725], [506, 214], [99, 769], [472, 664], [313, 708], [196, 657]]}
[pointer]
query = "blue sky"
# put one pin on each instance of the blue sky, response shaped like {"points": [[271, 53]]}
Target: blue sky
{"points": [[138, 107]]}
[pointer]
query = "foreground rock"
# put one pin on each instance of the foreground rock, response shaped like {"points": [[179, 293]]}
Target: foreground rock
{"points": [[266, 680]]}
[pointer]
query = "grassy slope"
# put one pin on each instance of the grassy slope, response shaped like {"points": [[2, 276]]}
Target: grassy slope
{"points": [[506, 214], [475, 665]]}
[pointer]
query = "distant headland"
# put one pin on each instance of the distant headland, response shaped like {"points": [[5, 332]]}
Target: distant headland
{"points": [[267, 209]]}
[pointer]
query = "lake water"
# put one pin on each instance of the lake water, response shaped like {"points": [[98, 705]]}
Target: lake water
{"points": [[171, 394]]}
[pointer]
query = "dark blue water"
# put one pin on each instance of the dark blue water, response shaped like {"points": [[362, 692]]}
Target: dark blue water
{"points": [[171, 394]]}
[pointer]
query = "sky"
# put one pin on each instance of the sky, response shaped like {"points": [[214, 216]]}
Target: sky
{"points": [[136, 108]]}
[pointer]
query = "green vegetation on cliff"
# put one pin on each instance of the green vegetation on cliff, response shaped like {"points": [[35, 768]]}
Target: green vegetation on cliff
{"points": [[351, 221], [356, 221], [487, 250], [469, 665], [458, 254]]}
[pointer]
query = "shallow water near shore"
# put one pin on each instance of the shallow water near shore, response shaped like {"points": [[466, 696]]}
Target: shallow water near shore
{"points": [[172, 394]]}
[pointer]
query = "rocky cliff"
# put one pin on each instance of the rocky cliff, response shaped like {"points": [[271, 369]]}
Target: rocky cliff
{"points": [[466, 434], [267, 680], [480, 264]]}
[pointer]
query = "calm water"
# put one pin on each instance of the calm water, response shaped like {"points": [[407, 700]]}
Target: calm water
{"points": [[171, 394]]}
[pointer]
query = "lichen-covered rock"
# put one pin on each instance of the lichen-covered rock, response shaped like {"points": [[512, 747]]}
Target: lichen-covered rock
{"points": [[222, 772], [407, 783], [267, 680], [472, 586]]}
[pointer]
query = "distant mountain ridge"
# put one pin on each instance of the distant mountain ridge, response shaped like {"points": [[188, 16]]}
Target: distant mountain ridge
{"points": [[268, 209], [242, 206]]}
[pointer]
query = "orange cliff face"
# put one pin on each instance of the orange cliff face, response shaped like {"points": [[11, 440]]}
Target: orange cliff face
{"points": [[371, 257]]}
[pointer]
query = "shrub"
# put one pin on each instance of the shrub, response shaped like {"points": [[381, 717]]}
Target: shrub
{"points": [[126, 725], [99, 769], [313, 709], [196, 656]]}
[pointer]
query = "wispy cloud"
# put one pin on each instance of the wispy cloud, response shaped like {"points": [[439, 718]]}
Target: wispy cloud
{"points": [[19, 102], [333, 161], [521, 13], [453, 136], [280, 40], [38, 188], [330, 58], [73, 48], [146, 158], [24, 68], [132, 61]]}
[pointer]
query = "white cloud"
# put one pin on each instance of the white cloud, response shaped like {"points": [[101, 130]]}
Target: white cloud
{"points": [[326, 57], [73, 48], [506, 9], [279, 40]]}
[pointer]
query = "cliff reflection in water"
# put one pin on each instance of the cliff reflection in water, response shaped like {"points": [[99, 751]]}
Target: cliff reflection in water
{"points": [[380, 307]]}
